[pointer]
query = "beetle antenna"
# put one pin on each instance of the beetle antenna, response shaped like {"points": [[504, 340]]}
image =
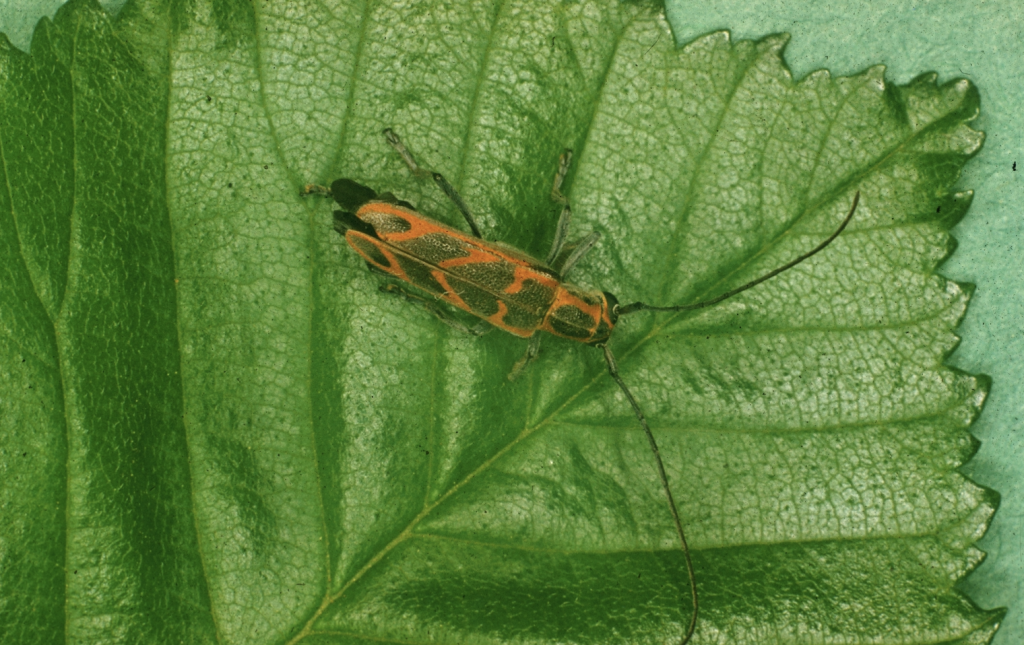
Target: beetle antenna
{"points": [[613, 369], [640, 306]]}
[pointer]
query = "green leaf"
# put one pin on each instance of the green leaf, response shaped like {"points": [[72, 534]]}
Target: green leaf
{"points": [[216, 428]]}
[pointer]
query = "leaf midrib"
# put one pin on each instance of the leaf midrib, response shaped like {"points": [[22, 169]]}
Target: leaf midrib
{"points": [[429, 507], [654, 333]]}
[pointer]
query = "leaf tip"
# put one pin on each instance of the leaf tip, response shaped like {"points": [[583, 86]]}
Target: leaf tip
{"points": [[776, 43], [952, 208], [977, 399], [875, 75], [995, 619], [967, 94], [720, 37]]}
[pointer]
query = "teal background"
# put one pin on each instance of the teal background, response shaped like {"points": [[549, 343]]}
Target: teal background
{"points": [[984, 42]]}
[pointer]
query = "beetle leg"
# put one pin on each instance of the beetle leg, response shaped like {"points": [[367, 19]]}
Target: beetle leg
{"points": [[456, 198], [395, 142], [562, 230], [531, 354], [578, 252], [378, 270], [563, 169], [441, 314], [481, 328]]}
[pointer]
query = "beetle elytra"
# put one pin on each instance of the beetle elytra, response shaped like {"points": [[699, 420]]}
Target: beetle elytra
{"points": [[504, 286]]}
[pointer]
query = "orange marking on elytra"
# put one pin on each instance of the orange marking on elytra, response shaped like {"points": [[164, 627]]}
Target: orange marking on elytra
{"points": [[499, 317], [597, 312], [565, 297], [476, 256], [498, 320], [418, 224], [449, 293], [395, 269], [522, 274], [472, 250]]}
